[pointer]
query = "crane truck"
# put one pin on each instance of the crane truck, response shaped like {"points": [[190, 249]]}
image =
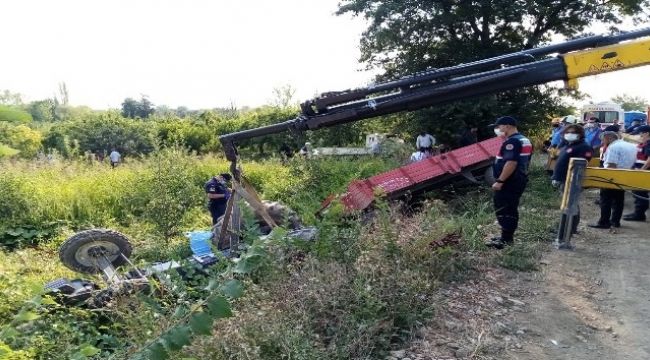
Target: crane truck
{"points": [[573, 59], [102, 251]]}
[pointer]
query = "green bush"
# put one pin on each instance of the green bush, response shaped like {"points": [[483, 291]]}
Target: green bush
{"points": [[106, 131]]}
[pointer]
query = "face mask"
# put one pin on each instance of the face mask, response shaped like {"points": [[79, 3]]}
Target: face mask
{"points": [[498, 132], [570, 137]]}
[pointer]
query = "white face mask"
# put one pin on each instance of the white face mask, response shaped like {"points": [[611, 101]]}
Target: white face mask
{"points": [[571, 137], [498, 132]]}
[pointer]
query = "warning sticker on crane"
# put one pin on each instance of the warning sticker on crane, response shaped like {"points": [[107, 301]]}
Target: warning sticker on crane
{"points": [[618, 64], [593, 68], [605, 66]]}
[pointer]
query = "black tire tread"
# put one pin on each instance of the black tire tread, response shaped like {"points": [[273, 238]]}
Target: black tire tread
{"points": [[69, 247]]}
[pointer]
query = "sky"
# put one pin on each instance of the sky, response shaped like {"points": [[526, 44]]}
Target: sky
{"points": [[197, 53]]}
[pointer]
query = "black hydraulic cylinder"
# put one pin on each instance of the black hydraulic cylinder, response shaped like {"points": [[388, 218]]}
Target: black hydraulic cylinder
{"points": [[460, 88]]}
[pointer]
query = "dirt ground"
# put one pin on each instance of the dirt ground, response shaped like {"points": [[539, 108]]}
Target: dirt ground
{"points": [[589, 303]]}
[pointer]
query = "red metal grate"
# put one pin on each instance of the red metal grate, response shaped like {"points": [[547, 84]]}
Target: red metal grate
{"points": [[360, 193]]}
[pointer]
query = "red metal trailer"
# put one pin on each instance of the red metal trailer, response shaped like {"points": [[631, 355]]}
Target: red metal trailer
{"points": [[422, 175]]}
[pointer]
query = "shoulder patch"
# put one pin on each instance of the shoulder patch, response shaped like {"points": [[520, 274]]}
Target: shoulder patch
{"points": [[569, 150], [510, 147]]}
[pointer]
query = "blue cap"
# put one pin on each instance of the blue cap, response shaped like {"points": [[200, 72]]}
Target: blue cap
{"points": [[505, 120], [641, 129]]}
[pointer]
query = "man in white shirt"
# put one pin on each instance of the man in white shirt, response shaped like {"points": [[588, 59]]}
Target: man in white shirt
{"points": [[115, 158], [619, 155], [418, 156], [425, 142]]}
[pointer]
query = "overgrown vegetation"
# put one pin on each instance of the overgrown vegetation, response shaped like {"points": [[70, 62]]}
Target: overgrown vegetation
{"points": [[356, 292]]}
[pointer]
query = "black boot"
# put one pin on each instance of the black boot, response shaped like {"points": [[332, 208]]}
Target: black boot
{"points": [[634, 217]]}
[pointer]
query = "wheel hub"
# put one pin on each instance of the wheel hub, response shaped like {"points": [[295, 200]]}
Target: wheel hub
{"points": [[88, 254]]}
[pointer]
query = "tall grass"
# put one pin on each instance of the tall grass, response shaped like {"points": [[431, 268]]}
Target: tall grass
{"points": [[356, 292]]}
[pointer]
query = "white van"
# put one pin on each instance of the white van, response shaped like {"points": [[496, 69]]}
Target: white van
{"points": [[608, 113]]}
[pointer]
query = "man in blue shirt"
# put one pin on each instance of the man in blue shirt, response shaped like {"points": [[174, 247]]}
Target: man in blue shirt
{"points": [[556, 134], [218, 195], [511, 173], [592, 134]]}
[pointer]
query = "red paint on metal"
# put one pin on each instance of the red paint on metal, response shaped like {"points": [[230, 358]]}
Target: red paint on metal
{"points": [[360, 193]]}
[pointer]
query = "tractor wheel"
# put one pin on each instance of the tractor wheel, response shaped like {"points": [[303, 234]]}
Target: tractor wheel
{"points": [[79, 252]]}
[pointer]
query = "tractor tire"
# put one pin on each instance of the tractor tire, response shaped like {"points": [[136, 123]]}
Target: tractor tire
{"points": [[76, 252], [281, 214]]}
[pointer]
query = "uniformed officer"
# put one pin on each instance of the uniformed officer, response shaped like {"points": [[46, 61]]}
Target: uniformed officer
{"points": [[641, 203], [218, 195], [511, 174], [576, 147]]}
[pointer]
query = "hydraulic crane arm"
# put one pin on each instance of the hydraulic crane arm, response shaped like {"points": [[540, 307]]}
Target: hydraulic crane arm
{"points": [[577, 58]]}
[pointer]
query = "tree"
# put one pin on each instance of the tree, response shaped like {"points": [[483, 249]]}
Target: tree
{"points": [[42, 110], [102, 132], [629, 103], [56, 139], [9, 98], [405, 37], [64, 97], [25, 140], [137, 109], [283, 96], [61, 103], [182, 111]]}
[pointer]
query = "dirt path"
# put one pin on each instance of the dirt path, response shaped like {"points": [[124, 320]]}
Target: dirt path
{"points": [[590, 303], [594, 301]]}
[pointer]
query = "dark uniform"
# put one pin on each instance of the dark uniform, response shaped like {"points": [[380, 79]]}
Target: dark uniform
{"points": [[640, 203], [578, 149], [506, 201], [217, 206]]}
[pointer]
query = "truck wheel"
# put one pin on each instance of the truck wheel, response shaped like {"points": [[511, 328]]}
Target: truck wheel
{"points": [[79, 252]]}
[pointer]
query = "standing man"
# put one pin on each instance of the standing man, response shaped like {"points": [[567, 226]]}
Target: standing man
{"points": [[592, 134], [425, 142], [641, 202], [556, 134], [218, 195], [115, 158], [511, 174], [554, 143], [619, 154]]}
